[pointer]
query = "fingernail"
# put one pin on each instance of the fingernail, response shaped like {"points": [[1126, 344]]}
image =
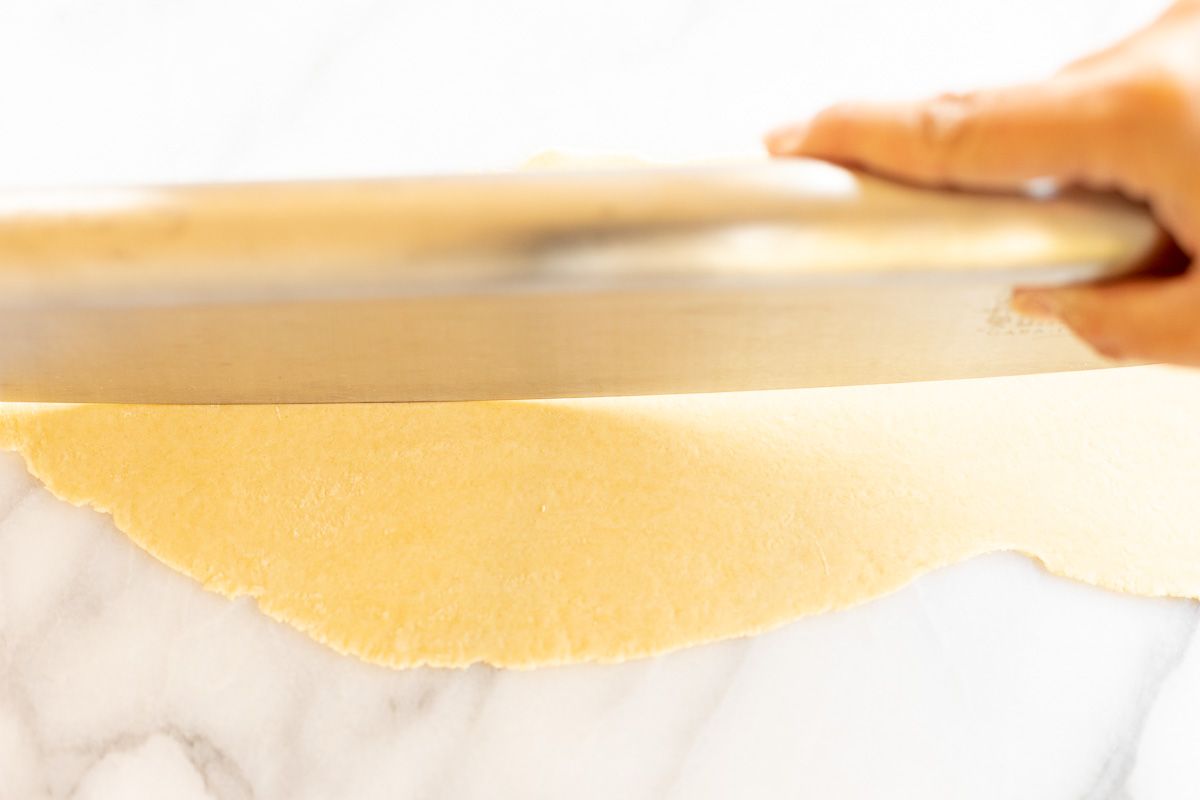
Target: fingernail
{"points": [[785, 141], [1037, 304]]}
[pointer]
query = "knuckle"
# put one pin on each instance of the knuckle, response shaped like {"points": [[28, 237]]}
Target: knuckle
{"points": [[944, 127], [1154, 98], [1143, 119]]}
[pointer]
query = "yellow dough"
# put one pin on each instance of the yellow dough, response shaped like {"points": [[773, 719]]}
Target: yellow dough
{"points": [[526, 533]]}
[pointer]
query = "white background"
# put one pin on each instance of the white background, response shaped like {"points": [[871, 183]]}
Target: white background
{"points": [[100, 90]]}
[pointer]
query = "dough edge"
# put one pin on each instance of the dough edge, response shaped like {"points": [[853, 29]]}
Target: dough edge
{"points": [[1159, 560]]}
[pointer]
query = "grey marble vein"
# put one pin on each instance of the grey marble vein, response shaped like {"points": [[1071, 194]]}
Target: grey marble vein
{"points": [[1112, 780]]}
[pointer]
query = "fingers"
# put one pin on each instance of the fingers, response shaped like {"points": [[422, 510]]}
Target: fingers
{"points": [[1149, 319], [994, 139]]}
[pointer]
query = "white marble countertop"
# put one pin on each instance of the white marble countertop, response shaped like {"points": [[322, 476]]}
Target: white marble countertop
{"points": [[122, 679]]}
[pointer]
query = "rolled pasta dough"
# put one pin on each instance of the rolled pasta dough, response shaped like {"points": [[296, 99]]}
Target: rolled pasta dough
{"points": [[528, 533]]}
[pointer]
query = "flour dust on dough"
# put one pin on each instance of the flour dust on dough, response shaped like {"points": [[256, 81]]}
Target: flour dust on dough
{"points": [[528, 533]]}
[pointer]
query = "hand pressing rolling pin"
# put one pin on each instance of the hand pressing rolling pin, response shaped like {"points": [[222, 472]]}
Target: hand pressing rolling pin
{"points": [[1126, 118]]}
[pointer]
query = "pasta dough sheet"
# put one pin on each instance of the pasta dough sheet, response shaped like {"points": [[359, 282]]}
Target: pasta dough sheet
{"points": [[529, 533]]}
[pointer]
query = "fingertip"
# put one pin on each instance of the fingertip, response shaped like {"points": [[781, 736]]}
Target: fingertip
{"points": [[1035, 303], [873, 136], [1080, 309], [786, 141], [1085, 310], [821, 136], [1138, 320]]}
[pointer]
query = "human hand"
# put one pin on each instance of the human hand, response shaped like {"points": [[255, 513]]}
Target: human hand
{"points": [[1126, 118]]}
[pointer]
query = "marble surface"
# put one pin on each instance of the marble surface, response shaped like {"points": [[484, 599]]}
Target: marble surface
{"points": [[122, 679]]}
